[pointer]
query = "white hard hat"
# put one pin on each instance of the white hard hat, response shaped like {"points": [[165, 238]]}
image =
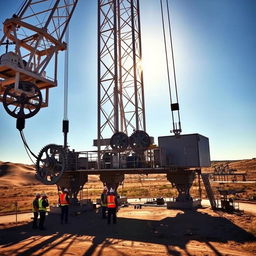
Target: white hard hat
{"points": [[43, 195], [65, 190], [111, 190]]}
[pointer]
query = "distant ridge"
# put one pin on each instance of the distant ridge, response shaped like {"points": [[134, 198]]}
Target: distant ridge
{"points": [[17, 174]]}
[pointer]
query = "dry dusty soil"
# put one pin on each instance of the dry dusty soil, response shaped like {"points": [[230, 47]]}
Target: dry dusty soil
{"points": [[146, 231]]}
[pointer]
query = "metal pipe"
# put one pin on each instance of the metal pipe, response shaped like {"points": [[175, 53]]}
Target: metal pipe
{"points": [[134, 65], [141, 75], [65, 114], [99, 87], [116, 115]]}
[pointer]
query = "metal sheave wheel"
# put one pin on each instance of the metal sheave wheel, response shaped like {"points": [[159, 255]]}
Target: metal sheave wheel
{"points": [[50, 164], [139, 141], [119, 142], [23, 102]]}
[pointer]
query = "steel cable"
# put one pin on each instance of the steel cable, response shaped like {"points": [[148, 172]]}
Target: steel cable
{"points": [[173, 106], [173, 62], [166, 55], [27, 148]]}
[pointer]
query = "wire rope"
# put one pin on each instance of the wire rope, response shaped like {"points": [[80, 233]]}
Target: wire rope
{"points": [[27, 148], [65, 114], [173, 59], [29, 154], [166, 56], [22, 5], [174, 107], [172, 51]]}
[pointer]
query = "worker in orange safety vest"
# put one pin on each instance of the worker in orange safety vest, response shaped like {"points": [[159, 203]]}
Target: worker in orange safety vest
{"points": [[112, 205], [64, 202]]}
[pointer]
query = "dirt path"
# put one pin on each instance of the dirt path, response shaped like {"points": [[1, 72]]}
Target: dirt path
{"points": [[15, 218], [250, 208], [146, 231]]}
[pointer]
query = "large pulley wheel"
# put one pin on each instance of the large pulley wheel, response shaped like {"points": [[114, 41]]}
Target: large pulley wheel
{"points": [[119, 142], [50, 164], [139, 141], [23, 102]]}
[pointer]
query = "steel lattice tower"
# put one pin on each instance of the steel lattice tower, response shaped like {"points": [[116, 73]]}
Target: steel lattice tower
{"points": [[120, 76]]}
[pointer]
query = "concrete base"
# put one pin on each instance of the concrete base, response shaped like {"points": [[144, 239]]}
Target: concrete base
{"points": [[184, 205]]}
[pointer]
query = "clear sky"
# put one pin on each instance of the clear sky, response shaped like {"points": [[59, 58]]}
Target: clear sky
{"points": [[215, 54]]}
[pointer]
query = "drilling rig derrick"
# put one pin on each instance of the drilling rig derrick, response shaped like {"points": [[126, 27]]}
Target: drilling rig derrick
{"points": [[121, 107]]}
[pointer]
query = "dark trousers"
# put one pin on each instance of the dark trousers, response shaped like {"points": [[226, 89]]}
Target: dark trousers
{"points": [[42, 219], [64, 213], [111, 212], [35, 219], [103, 212]]}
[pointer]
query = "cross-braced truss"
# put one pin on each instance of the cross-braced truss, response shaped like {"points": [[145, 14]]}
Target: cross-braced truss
{"points": [[120, 78], [35, 35]]}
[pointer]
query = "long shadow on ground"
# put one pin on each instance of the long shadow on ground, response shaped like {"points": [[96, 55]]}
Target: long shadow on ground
{"points": [[170, 232]]}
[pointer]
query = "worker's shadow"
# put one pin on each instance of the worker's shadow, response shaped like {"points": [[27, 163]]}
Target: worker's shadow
{"points": [[171, 232]]}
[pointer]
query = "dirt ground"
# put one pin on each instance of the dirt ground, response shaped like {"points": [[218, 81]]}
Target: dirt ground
{"points": [[146, 231]]}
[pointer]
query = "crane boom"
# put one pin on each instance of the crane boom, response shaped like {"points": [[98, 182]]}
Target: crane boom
{"points": [[35, 34]]}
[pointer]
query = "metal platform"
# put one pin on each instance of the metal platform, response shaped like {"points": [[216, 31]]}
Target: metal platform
{"points": [[8, 72], [127, 171]]}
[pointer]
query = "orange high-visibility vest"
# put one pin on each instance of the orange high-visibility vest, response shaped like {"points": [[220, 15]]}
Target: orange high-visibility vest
{"points": [[111, 201], [63, 200]]}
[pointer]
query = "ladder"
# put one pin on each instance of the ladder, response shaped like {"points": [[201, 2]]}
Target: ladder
{"points": [[208, 188]]}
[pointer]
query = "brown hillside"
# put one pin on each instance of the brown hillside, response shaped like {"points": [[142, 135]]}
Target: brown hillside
{"points": [[16, 174], [248, 166]]}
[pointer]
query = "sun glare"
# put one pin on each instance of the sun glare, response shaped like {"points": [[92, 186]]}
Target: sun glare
{"points": [[153, 62]]}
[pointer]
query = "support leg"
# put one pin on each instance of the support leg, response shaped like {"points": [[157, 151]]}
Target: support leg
{"points": [[182, 180], [112, 180], [74, 182]]}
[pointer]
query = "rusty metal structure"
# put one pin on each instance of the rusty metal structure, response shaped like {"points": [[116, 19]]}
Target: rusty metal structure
{"points": [[32, 39]]}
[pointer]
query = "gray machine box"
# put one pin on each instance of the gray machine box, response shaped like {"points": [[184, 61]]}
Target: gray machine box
{"points": [[188, 151]]}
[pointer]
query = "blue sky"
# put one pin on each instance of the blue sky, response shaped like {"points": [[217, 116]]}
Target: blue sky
{"points": [[215, 54]]}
